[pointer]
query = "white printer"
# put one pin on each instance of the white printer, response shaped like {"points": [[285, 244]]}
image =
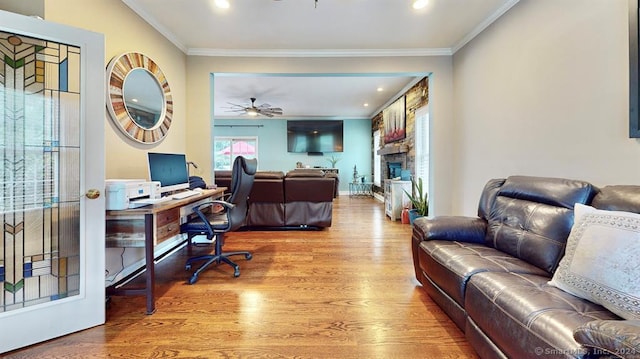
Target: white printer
{"points": [[130, 193]]}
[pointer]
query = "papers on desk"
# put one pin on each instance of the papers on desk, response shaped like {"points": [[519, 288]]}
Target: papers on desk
{"points": [[147, 201]]}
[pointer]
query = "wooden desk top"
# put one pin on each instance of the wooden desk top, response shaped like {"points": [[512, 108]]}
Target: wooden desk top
{"points": [[172, 203]]}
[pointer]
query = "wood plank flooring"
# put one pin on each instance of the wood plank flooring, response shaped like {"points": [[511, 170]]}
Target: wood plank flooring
{"points": [[345, 292]]}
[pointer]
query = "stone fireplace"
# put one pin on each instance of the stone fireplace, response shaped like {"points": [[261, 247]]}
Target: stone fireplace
{"points": [[394, 169]]}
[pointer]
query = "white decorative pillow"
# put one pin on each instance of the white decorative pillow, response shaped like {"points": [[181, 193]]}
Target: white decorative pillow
{"points": [[602, 260]]}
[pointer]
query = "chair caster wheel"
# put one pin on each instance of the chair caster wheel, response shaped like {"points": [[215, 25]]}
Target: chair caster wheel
{"points": [[248, 256], [187, 267], [236, 272], [193, 279]]}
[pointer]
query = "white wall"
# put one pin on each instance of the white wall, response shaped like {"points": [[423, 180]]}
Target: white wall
{"points": [[544, 91], [199, 69]]}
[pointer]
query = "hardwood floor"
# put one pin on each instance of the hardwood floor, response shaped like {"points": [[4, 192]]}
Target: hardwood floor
{"points": [[345, 292]]}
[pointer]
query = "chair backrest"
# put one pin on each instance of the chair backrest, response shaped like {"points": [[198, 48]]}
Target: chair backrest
{"points": [[242, 175]]}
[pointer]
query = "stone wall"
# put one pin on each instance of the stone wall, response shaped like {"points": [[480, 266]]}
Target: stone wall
{"points": [[403, 150]]}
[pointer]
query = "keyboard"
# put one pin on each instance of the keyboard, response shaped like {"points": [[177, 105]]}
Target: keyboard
{"points": [[185, 194]]}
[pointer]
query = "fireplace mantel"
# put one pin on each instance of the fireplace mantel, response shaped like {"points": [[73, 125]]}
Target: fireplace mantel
{"points": [[393, 149]]}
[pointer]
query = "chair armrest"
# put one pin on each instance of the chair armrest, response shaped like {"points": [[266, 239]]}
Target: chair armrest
{"points": [[226, 205], [618, 337], [203, 217], [450, 228]]}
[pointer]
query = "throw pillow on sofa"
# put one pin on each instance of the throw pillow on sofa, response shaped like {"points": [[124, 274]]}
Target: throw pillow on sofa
{"points": [[601, 260]]}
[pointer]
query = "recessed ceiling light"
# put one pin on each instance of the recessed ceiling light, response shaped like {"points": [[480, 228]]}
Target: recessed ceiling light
{"points": [[419, 4], [223, 4], [380, 89], [366, 104]]}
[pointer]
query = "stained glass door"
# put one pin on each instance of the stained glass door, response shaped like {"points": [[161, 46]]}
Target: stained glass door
{"points": [[52, 155]]}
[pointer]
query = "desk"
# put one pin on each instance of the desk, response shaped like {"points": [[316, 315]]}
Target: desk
{"points": [[146, 227]]}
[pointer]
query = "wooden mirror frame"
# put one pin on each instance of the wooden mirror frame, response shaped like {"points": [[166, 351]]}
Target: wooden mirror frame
{"points": [[117, 70], [634, 57]]}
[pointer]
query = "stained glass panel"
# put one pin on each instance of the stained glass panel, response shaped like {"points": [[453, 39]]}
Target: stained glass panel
{"points": [[39, 176]]}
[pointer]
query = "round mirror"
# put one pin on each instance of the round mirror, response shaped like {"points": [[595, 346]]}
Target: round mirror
{"points": [[143, 98], [139, 101]]}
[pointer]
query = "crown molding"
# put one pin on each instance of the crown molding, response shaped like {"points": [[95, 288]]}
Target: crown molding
{"points": [[484, 24], [164, 31], [319, 52], [155, 24]]}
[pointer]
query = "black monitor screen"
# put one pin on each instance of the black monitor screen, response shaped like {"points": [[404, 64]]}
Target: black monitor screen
{"points": [[314, 135], [170, 169]]}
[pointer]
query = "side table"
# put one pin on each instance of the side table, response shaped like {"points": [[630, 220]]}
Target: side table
{"points": [[361, 189]]}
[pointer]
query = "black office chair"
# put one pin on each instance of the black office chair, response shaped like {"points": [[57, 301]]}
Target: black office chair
{"points": [[229, 219]]}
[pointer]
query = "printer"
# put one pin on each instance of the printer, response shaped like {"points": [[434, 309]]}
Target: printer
{"points": [[130, 193]]}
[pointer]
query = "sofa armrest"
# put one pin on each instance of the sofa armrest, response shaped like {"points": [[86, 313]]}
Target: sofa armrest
{"points": [[618, 337], [450, 228]]}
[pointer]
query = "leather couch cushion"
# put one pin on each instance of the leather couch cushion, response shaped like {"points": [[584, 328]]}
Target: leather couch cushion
{"points": [[618, 198], [531, 217], [269, 175], [267, 190], [450, 264], [222, 178], [527, 318], [308, 189], [222, 173], [305, 173]]}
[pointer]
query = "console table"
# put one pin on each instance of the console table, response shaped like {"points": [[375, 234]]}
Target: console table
{"points": [[394, 197], [146, 227]]}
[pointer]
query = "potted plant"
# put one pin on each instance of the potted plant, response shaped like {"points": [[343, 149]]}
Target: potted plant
{"points": [[333, 160], [419, 200]]}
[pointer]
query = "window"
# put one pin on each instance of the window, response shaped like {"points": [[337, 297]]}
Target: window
{"points": [[376, 159], [226, 149], [422, 145]]}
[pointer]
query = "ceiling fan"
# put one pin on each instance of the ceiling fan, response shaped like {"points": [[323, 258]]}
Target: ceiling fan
{"points": [[252, 110]]}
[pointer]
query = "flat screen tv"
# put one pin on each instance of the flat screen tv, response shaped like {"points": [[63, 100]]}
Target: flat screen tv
{"points": [[314, 136], [170, 169]]}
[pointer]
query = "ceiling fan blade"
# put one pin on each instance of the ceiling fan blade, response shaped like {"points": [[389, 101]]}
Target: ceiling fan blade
{"points": [[265, 109], [235, 104]]}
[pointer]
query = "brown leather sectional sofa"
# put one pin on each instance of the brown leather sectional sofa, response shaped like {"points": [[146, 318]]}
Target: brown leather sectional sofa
{"points": [[298, 199], [490, 273]]}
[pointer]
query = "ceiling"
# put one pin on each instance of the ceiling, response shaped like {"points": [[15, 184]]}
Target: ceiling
{"points": [[322, 28]]}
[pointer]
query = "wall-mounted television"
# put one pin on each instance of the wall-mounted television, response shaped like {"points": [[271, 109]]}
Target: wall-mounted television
{"points": [[314, 136], [170, 169]]}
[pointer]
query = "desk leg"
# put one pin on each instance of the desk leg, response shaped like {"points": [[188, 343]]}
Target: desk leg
{"points": [[150, 263]]}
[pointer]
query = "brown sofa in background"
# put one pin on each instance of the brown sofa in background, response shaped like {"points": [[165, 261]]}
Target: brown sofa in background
{"points": [[308, 199], [299, 199], [266, 200], [317, 172]]}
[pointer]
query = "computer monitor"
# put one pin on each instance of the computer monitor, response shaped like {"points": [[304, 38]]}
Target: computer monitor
{"points": [[170, 169]]}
